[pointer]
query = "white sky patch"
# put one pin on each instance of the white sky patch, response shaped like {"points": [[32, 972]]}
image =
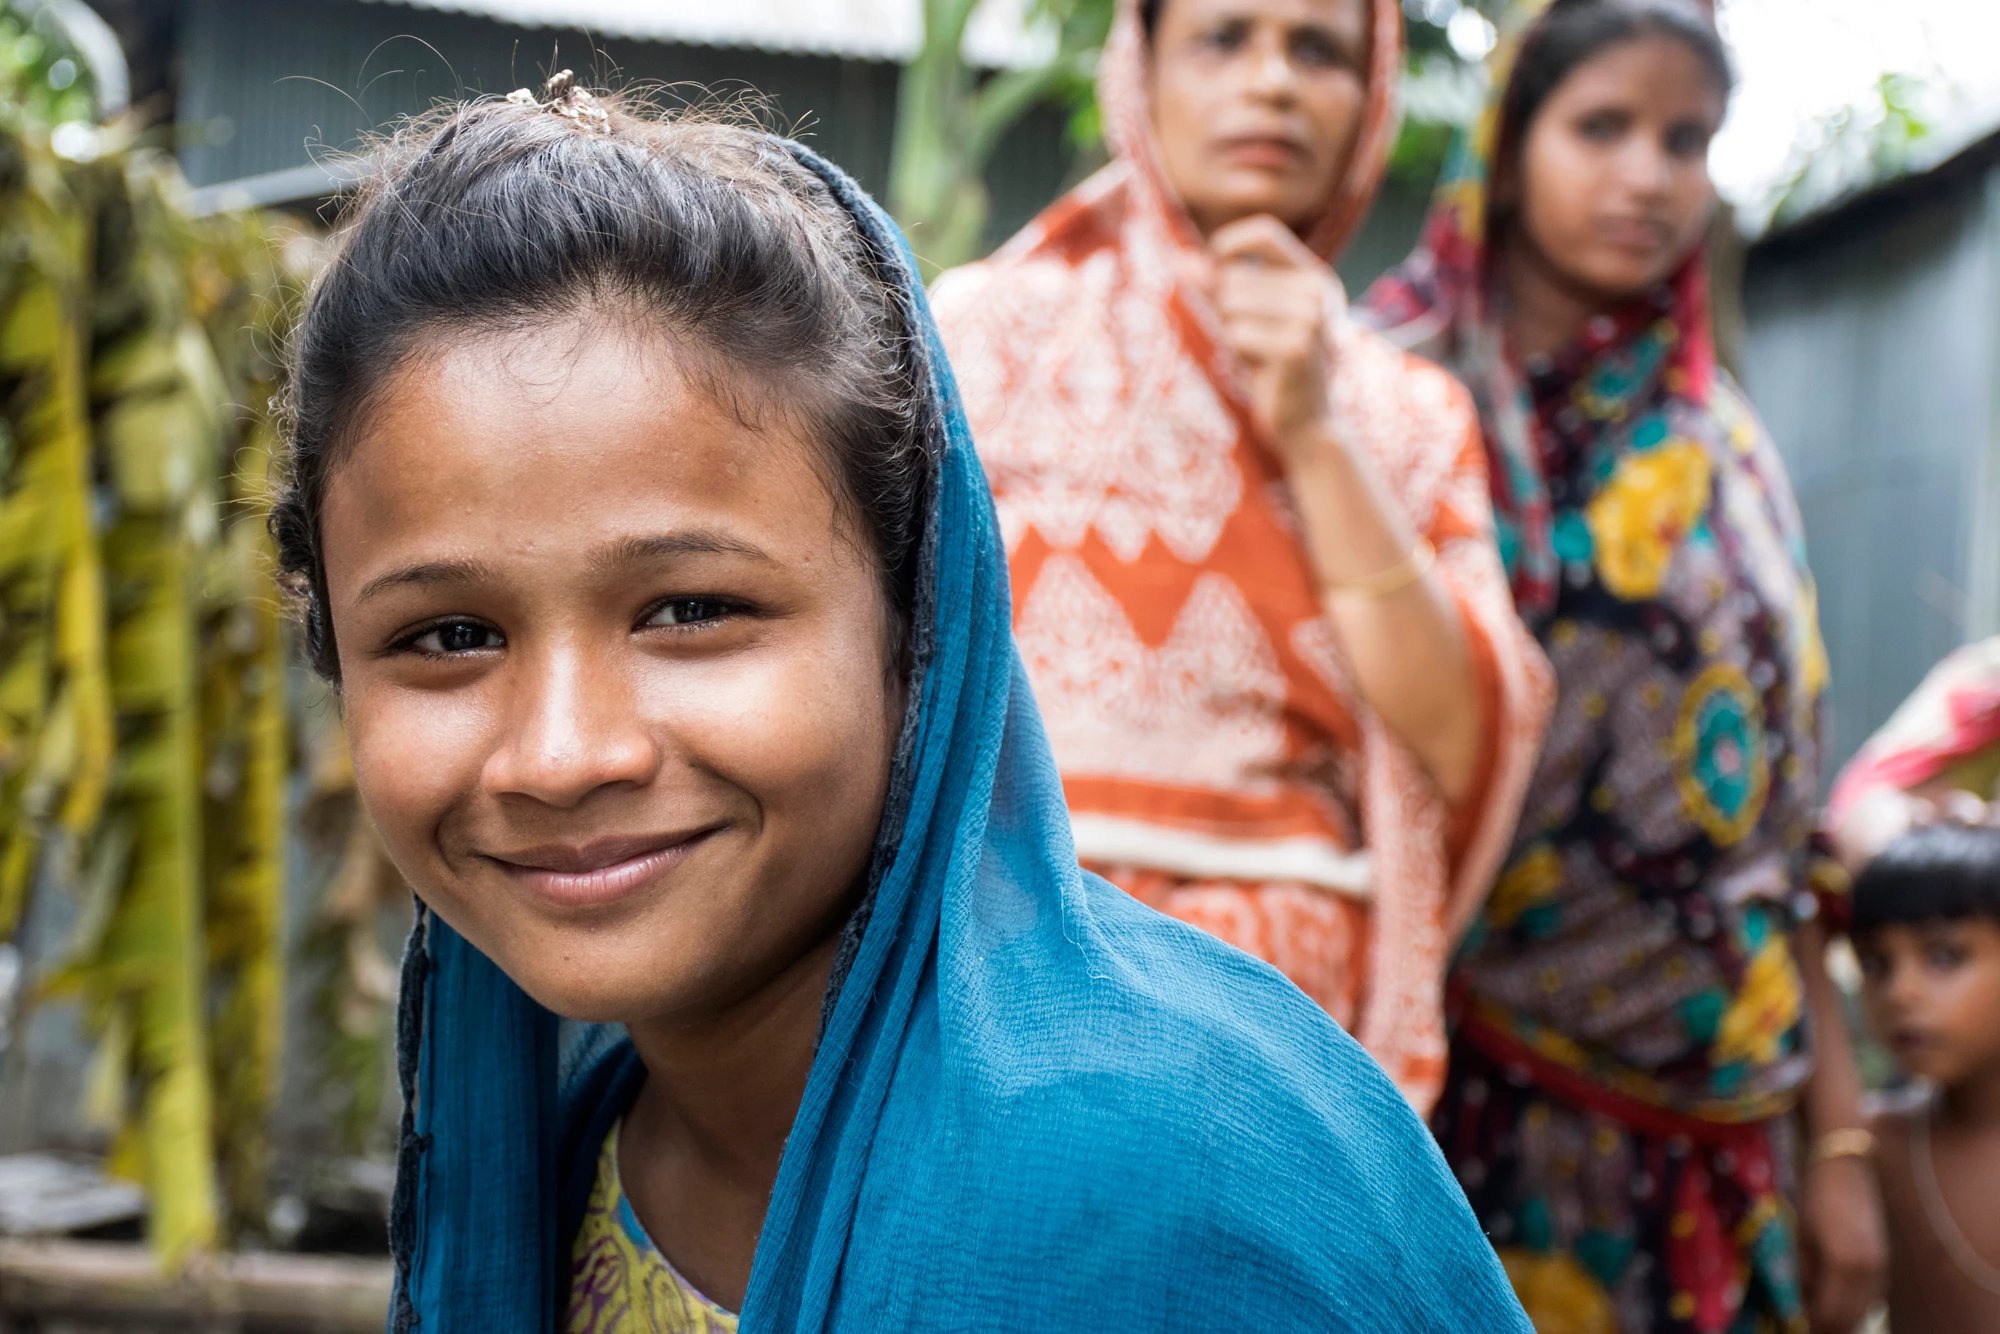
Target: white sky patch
{"points": [[1800, 60]]}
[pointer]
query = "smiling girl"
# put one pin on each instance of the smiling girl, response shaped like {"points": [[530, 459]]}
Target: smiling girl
{"points": [[1642, 1007], [636, 522]]}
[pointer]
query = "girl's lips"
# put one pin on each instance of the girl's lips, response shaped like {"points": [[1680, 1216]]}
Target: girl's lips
{"points": [[596, 874], [1635, 233]]}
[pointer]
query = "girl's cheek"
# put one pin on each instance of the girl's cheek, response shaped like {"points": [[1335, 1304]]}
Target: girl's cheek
{"points": [[797, 730], [414, 758], [1979, 999], [1558, 185]]}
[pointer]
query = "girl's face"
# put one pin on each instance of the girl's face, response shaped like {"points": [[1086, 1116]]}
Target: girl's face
{"points": [[1932, 989], [1256, 104], [615, 668], [1611, 188]]}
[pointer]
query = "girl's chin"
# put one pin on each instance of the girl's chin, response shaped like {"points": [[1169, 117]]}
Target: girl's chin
{"points": [[567, 969], [1616, 282], [603, 999]]}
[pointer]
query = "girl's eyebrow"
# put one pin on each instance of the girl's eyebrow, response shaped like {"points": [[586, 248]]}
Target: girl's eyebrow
{"points": [[669, 546], [429, 572], [624, 551]]}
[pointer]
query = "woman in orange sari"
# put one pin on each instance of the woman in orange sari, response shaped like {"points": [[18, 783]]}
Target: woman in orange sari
{"points": [[1254, 579]]}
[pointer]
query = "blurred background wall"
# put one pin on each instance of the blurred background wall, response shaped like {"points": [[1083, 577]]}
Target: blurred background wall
{"points": [[1873, 352]]}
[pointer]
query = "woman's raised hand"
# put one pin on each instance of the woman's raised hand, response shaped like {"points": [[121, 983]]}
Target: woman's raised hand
{"points": [[1274, 298]]}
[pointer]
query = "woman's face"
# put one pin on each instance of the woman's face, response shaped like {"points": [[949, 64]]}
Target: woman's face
{"points": [[615, 668], [1257, 103], [1612, 189]]}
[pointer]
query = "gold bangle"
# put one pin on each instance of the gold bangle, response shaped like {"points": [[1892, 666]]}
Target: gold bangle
{"points": [[1392, 580], [1853, 1142]]}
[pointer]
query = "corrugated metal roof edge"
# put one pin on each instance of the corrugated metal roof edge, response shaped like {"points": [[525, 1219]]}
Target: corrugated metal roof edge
{"points": [[471, 8], [1977, 155], [313, 180]]}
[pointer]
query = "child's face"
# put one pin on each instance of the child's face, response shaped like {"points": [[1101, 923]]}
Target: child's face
{"points": [[615, 668], [1933, 994]]}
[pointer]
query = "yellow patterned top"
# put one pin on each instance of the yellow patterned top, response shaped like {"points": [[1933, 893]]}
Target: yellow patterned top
{"points": [[619, 1281]]}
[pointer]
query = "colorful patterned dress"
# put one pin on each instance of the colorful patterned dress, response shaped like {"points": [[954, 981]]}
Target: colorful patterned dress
{"points": [[1217, 759], [619, 1281], [1629, 1025]]}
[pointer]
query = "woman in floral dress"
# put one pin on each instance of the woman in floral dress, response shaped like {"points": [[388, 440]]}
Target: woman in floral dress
{"points": [[1641, 1008]]}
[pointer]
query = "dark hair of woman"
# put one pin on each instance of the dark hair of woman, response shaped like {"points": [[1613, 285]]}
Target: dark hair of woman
{"points": [[499, 215], [1574, 31], [1149, 16]]}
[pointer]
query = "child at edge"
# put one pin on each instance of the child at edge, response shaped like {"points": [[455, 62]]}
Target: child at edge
{"points": [[1927, 928]]}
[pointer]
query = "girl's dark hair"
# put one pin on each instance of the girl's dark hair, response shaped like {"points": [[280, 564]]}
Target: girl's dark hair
{"points": [[501, 215], [1149, 16], [1574, 31], [1933, 872]]}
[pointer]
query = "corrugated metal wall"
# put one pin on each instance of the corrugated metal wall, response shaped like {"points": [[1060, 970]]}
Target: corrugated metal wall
{"points": [[266, 83], [1874, 354]]}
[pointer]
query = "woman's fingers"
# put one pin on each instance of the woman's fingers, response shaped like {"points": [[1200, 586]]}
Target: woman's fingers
{"points": [[1269, 292], [1271, 313], [1271, 296], [1265, 274], [1265, 342], [1265, 240]]}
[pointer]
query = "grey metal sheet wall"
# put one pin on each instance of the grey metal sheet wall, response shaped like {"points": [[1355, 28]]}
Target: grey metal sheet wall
{"points": [[1872, 355], [265, 83]]}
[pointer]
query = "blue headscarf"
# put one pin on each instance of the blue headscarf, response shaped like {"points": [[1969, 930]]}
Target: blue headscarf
{"points": [[1035, 1103]]}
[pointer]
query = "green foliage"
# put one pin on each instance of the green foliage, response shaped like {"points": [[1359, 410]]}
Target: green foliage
{"points": [[1443, 88], [39, 70], [1081, 26], [1884, 135], [950, 117], [143, 749]]}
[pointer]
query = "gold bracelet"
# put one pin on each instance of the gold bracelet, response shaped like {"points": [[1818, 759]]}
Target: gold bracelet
{"points": [[1392, 580], [1852, 1142]]}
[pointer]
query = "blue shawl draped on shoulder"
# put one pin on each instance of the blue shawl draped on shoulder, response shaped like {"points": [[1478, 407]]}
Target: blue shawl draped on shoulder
{"points": [[1035, 1103]]}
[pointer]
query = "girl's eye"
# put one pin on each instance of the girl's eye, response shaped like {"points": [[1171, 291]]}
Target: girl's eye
{"points": [[687, 611], [455, 637], [1688, 139], [1603, 127]]}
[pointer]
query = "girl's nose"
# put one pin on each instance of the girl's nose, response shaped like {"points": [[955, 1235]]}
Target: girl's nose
{"points": [[575, 728], [1647, 166]]}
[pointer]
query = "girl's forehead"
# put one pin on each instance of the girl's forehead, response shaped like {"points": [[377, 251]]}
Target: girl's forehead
{"points": [[527, 438], [1645, 64]]}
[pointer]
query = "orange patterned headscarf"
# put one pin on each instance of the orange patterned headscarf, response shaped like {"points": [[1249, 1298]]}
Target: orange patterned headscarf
{"points": [[1216, 756], [1128, 127]]}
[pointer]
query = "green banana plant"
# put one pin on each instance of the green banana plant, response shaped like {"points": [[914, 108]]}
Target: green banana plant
{"points": [[950, 117]]}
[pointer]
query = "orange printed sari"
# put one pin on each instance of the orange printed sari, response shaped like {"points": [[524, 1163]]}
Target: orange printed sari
{"points": [[1218, 762]]}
